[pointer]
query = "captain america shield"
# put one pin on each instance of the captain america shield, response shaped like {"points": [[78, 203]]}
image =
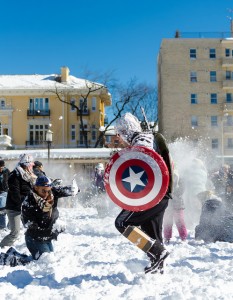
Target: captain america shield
{"points": [[136, 178]]}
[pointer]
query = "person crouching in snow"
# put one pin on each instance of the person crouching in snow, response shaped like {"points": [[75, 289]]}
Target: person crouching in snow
{"points": [[175, 212], [145, 224], [39, 214], [216, 221]]}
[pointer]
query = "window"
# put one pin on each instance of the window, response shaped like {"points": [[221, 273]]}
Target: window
{"points": [[228, 97], [83, 137], [83, 105], [214, 120], [229, 121], [213, 76], [213, 99], [93, 104], [93, 133], [229, 75], [108, 139], [193, 98], [193, 53], [39, 104], [72, 107], [214, 143], [73, 133], [194, 121], [37, 133], [2, 103], [230, 143], [212, 53], [227, 52], [193, 76]]}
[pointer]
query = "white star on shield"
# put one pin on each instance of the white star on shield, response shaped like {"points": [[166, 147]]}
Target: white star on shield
{"points": [[134, 179]]}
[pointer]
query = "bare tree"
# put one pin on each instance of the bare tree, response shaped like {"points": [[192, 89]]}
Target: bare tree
{"points": [[66, 97], [129, 98]]}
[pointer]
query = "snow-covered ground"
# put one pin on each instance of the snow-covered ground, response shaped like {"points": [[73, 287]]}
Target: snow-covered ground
{"points": [[93, 261]]}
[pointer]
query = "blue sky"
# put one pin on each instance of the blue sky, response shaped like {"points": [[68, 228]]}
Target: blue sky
{"points": [[120, 35]]}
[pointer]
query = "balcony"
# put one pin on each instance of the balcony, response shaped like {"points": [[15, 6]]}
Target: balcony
{"points": [[227, 62], [5, 141], [227, 84], [227, 106], [83, 112], [228, 128], [6, 108], [38, 112]]}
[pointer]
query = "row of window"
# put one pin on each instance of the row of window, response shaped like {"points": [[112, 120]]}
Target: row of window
{"points": [[212, 53], [37, 133], [213, 98], [215, 143], [212, 76], [213, 121], [42, 104]]}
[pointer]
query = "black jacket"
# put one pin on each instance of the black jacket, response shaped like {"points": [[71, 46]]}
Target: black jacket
{"points": [[18, 190], [4, 175], [39, 223]]}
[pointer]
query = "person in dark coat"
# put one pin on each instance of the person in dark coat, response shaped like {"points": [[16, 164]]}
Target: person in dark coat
{"points": [[98, 179], [4, 175], [38, 168], [20, 182], [216, 221], [145, 224], [40, 213]]}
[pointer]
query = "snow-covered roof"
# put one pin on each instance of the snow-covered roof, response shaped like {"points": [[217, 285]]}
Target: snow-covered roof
{"points": [[39, 82]]}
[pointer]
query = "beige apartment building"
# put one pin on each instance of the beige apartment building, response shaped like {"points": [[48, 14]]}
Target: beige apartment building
{"points": [[195, 90], [30, 106]]}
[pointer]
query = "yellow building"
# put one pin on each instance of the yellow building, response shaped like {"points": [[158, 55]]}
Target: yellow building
{"points": [[195, 90], [30, 106]]}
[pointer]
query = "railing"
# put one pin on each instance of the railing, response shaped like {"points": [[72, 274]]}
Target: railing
{"points": [[6, 107], [36, 144], [38, 112], [198, 35], [84, 112], [81, 144]]}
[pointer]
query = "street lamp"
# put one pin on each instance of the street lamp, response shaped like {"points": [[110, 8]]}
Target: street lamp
{"points": [[49, 139], [102, 129]]}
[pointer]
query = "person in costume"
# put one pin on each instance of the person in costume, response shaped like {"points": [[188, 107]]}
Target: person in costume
{"points": [[146, 224]]}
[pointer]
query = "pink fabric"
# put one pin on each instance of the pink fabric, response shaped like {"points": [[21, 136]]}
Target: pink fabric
{"points": [[176, 216]]}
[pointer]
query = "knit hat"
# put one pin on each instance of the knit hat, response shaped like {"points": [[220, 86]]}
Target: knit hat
{"points": [[126, 126], [2, 163], [99, 166], [25, 159], [43, 181], [38, 163]]}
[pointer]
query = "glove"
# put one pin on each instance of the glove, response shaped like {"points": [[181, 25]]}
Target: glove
{"points": [[59, 227], [57, 182]]}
